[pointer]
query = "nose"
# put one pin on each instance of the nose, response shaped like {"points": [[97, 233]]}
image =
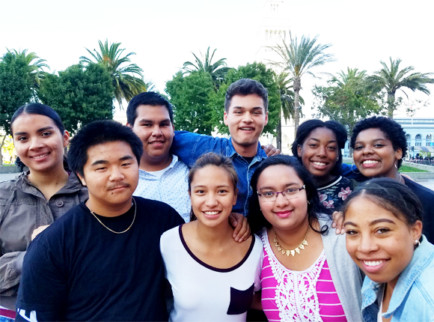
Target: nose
{"points": [[367, 149], [35, 142], [367, 244], [156, 131], [116, 174], [247, 118], [211, 200], [321, 151], [281, 200]]}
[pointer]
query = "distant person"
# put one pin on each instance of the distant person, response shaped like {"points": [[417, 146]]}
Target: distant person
{"points": [[379, 146], [213, 278], [307, 274], [383, 223], [162, 176], [318, 146], [45, 190], [101, 260], [245, 114]]}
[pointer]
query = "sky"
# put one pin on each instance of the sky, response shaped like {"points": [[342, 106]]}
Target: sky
{"points": [[164, 33]]}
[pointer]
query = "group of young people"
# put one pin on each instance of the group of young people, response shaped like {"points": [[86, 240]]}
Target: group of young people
{"points": [[185, 252]]}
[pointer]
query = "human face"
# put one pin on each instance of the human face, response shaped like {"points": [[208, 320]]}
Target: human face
{"points": [[374, 155], [154, 128], [246, 118], [212, 195], [286, 214], [111, 174], [319, 152], [379, 242], [39, 143]]}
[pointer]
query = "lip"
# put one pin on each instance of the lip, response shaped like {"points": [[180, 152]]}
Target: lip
{"points": [[319, 165], [283, 214], [247, 129], [40, 156], [119, 187], [370, 163], [373, 266], [211, 214]]}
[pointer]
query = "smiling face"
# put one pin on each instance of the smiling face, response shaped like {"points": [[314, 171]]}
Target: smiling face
{"points": [[319, 153], [285, 213], [212, 195], [111, 174], [154, 128], [39, 143], [246, 118], [379, 242], [374, 155]]}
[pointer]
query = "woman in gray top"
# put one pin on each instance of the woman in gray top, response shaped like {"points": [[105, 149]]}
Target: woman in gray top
{"points": [[40, 195]]}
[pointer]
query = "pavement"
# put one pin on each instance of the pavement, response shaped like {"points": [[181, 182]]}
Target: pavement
{"points": [[8, 176]]}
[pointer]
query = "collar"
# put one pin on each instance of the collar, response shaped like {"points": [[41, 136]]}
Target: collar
{"points": [[170, 166], [231, 152]]}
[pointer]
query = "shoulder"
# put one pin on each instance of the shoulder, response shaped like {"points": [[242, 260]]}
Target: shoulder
{"points": [[158, 212], [418, 189]]}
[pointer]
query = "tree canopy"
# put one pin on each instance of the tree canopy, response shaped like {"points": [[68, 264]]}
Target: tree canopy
{"points": [[80, 95], [127, 78]]}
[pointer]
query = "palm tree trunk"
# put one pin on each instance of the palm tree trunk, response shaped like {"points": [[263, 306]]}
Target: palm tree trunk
{"points": [[390, 104], [279, 134], [297, 88]]}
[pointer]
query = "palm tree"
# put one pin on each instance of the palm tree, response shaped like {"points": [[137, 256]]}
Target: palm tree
{"points": [[34, 63], [298, 58], [127, 77], [391, 78], [217, 70]]}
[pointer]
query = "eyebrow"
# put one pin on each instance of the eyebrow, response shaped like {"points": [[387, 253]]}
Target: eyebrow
{"points": [[374, 222], [146, 120], [286, 185], [97, 162], [318, 140], [38, 130]]}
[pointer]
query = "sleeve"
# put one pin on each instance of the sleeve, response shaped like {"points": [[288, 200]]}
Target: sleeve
{"points": [[43, 289], [190, 146], [10, 272]]}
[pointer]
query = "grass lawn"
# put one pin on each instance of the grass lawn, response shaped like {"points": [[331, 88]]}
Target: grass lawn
{"points": [[406, 168]]}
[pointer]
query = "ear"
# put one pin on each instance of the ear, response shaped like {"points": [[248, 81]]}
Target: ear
{"points": [[416, 230], [83, 181], [129, 125], [398, 154], [225, 118], [65, 138], [299, 150], [235, 197], [266, 118]]}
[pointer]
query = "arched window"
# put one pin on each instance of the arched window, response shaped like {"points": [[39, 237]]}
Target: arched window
{"points": [[408, 139], [428, 140], [418, 140]]}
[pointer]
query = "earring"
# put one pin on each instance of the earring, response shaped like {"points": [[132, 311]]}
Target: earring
{"points": [[417, 242]]}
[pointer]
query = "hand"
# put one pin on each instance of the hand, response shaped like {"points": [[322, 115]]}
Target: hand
{"points": [[38, 230], [270, 150], [338, 222], [241, 227]]}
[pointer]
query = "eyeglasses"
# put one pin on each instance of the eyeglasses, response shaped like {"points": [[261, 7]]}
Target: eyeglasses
{"points": [[271, 196]]}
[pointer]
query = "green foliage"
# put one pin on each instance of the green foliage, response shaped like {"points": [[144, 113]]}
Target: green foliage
{"points": [[79, 95], [262, 74], [217, 70], [190, 97], [347, 98], [391, 78], [127, 78], [16, 87]]}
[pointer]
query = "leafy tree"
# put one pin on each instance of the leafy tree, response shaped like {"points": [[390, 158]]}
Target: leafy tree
{"points": [[190, 96], [348, 98], [80, 95], [262, 74], [298, 57], [217, 69], [391, 78], [127, 78], [16, 89]]}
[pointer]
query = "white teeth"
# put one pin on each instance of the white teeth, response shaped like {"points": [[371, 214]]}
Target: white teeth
{"points": [[370, 161], [41, 156], [319, 163], [211, 213], [372, 263], [246, 129]]}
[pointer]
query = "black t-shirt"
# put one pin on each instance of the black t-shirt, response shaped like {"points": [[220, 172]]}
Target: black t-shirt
{"points": [[78, 270]]}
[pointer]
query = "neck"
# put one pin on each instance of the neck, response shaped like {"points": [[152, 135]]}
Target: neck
{"points": [[213, 235], [148, 164], [108, 210], [323, 181], [57, 177], [246, 151], [292, 238]]}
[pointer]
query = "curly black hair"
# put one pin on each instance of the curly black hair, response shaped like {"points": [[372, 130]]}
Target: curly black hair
{"points": [[391, 129]]}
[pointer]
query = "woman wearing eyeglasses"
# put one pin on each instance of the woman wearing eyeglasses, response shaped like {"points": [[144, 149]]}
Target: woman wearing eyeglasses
{"points": [[307, 274]]}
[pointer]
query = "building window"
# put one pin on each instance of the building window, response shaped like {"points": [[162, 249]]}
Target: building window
{"points": [[408, 139], [418, 140], [428, 140]]}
